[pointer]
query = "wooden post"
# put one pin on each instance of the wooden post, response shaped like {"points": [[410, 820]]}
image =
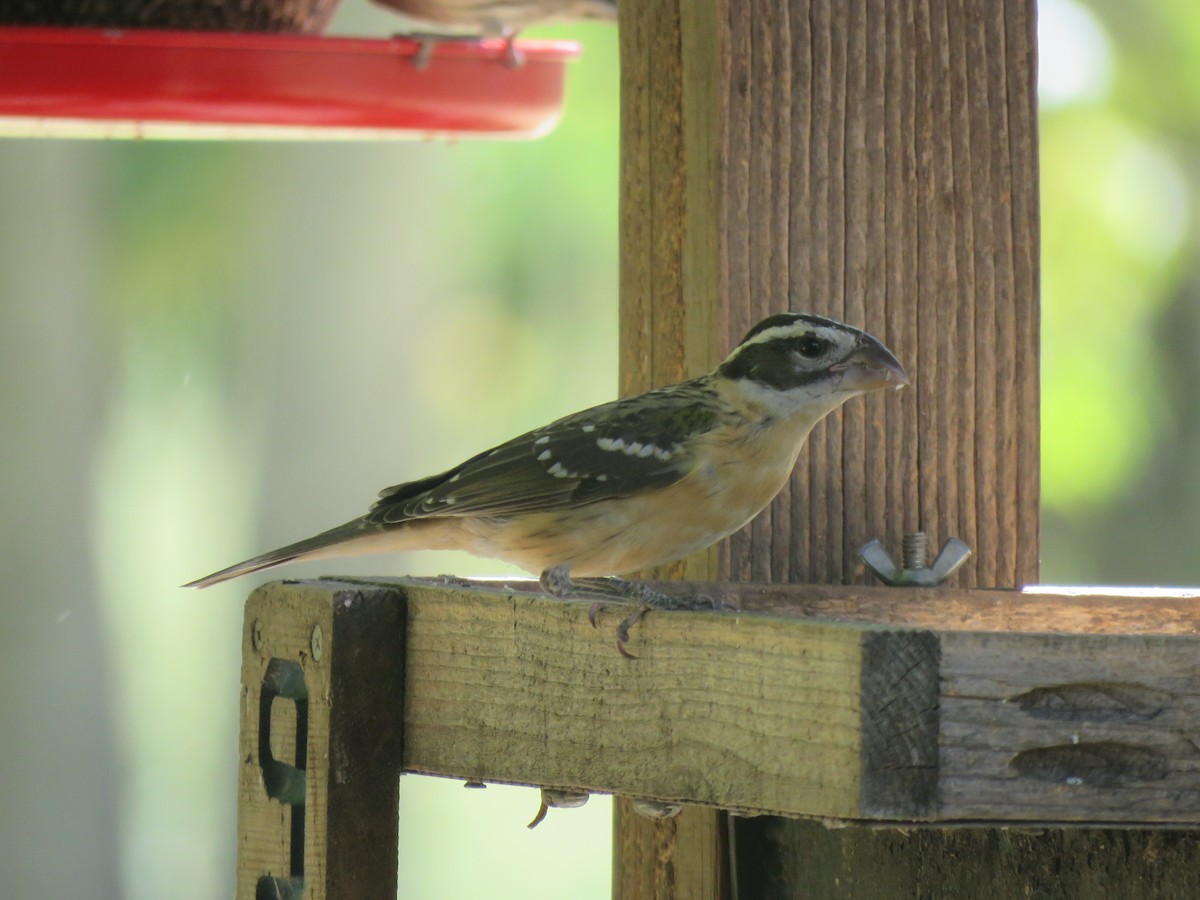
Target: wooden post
{"points": [[320, 745], [876, 162]]}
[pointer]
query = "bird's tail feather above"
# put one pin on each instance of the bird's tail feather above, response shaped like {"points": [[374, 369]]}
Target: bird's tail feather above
{"points": [[310, 548]]}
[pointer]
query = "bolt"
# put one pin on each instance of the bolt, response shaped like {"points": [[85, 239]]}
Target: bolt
{"points": [[916, 571], [317, 643], [916, 550]]}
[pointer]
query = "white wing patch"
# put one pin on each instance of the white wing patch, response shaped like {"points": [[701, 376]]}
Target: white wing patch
{"points": [[558, 471], [634, 448]]}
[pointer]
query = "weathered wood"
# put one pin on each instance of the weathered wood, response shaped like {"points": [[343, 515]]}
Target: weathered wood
{"points": [[1036, 609], [684, 856], [864, 704], [857, 703], [346, 644], [547, 699], [968, 863], [891, 149], [669, 250], [876, 162]]}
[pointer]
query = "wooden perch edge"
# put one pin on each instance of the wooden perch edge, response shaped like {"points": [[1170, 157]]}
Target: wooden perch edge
{"points": [[888, 705]]}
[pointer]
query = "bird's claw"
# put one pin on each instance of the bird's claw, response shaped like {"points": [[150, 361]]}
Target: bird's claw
{"points": [[653, 600], [541, 814], [623, 630], [604, 592], [557, 798], [512, 58]]}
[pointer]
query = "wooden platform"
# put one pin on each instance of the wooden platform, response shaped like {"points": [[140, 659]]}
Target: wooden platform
{"points": [[883, 705]]}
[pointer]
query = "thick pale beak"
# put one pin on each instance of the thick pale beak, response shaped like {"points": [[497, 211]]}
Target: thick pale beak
{"points": [[870, 367]]}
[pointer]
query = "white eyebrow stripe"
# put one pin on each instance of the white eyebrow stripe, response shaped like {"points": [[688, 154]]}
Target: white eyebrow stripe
{"points": [[797, 329], [771, 334]]}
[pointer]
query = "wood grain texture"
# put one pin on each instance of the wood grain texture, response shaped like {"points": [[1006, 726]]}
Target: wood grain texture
{"points": [[851, 703], [969, 863], [518, 688], [354, 677], [899, 687], [873, 161], [1096, 727], [675, 857], [669, 250]]}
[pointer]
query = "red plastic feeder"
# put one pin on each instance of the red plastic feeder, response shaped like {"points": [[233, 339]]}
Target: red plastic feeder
{"points": [[85, 82]]}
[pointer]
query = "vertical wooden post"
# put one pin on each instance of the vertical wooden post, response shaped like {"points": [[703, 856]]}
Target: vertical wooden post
{"points": [[320, 741], [874, 161], [670, 251]]}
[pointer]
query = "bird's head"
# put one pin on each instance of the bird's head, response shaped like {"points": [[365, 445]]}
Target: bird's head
{"points": [[795, 360]]}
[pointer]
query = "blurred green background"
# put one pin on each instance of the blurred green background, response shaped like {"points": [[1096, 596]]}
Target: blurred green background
{"points": [[209, 349]]}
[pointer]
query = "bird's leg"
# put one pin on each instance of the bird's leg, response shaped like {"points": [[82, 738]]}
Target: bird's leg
{"points": [[557, 582], [496, 27], [511, 57], [428, 41]]}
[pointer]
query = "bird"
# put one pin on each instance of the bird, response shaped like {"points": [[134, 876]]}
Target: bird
{"points": [[495, 18], [629, 484]]}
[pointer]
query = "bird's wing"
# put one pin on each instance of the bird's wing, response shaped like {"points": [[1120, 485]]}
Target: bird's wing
{"points": [[613, 450]]}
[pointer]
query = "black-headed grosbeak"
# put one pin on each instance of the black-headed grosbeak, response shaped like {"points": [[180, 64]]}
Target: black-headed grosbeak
{"points": [[629, 484]]}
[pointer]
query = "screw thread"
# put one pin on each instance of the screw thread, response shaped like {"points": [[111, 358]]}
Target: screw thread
{"points": [[916, 550]]}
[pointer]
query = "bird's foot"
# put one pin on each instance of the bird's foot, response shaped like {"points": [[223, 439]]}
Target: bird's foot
{"points": [[511, 57], [607, 592], [553, 798]]}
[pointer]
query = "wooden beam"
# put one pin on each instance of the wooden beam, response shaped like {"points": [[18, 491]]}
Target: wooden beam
{"points": [[954, 706], [891, 864], [320, 738]]}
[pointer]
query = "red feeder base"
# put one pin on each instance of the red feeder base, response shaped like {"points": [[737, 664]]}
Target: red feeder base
{"points": [[115, 83]]}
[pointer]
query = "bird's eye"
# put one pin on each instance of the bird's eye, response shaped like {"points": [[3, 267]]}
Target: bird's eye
{"points": [[811, 347]]}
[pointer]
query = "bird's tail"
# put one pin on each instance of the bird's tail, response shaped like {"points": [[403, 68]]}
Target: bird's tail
{"points": [[310, 548]]}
